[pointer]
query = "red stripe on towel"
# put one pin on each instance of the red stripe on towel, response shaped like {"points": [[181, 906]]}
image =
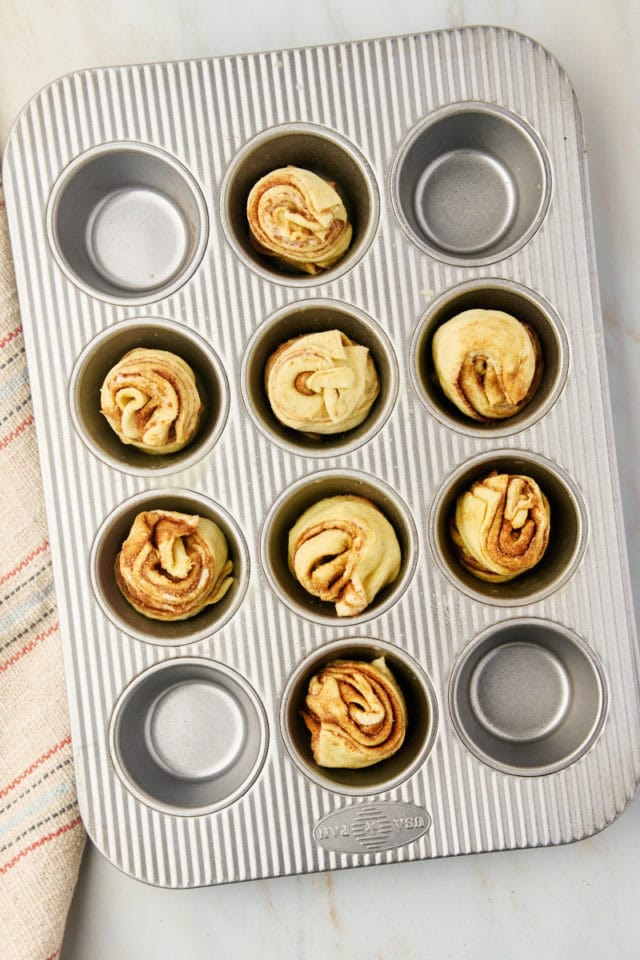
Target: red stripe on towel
{"points": [[11, 336], [34, 765], [23, 563], [39, 843], [16, 433], [28, 647]]}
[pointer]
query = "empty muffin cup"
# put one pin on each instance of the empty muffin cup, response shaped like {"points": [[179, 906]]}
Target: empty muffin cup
{"points": [[568, 528], [318, 150], [317, 316], [471, 183], [100, 356], [528, 697], [422, 718], [517, 301], [293, 502], [188, 736], [127, 223], [108, 542]]}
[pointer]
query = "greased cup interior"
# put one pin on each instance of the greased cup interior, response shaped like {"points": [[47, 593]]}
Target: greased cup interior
{"points": [[528, 697], [321, 151], [422, 718], [188, 736], [471, 183], [568, 528], [299, 497], [518, 301], [114, 532], [316, 316], [105, 350], [127, 223]]}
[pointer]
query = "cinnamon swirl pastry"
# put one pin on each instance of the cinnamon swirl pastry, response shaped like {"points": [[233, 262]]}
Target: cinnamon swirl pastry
{"points": [[344, 551], [488, 363], [356, 714], [172, 565], [501, 526], [299, 218], [321, 383], [151, 400]]}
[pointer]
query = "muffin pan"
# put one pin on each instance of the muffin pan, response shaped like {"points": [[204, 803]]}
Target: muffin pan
{"points": [[127, 223], [471, 183], [188, 736], [460, 158], [105, 350]]}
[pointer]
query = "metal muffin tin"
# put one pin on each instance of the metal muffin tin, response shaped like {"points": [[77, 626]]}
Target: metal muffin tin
{"points": [[461, 159]]}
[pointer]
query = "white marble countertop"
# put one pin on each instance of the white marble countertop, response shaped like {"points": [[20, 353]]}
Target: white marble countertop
{"points": [[574, 901]]}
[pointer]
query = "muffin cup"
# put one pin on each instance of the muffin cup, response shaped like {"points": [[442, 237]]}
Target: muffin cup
{"points": [[127, 223], [422, 722], [322, 151], [188, 736], [108, 543], [471, 183], [292, 503], [528, 697], [567, 539], [523, 304], [316, 316], [104, 351]]}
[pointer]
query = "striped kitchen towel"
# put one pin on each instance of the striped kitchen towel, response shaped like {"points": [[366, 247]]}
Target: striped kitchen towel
{"points": [[41, 837]]}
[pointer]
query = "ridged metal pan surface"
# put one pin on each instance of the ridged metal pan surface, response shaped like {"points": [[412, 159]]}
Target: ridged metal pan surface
{"points": [[196, 129]]}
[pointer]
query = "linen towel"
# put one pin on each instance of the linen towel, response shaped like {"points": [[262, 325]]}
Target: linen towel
{"points": [[41, 836]]}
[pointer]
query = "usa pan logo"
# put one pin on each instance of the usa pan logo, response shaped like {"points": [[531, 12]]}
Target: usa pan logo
{"points": [[371, 827]]}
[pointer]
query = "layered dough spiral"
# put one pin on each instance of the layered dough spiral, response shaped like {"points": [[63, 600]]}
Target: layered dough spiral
{"points": [[488, 363], [299, 218], [151, 400], [321, 383], [501, 526], [356, 714], [344, 550], [172, 565]]}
